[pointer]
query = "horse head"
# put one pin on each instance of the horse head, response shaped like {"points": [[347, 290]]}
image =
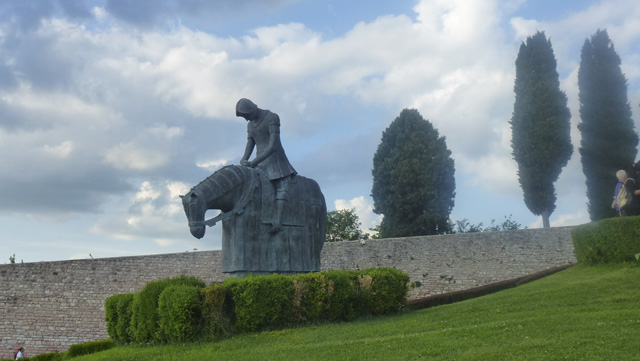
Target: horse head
{"points": [[195, 208]]}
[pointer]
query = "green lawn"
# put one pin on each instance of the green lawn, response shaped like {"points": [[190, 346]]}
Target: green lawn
{"points": [[583, 313]]}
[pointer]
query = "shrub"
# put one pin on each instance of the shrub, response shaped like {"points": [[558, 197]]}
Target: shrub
{"points": [[310, 296], [346, 300], [388, 290], [610, 240], [52, 356], [218, 311], [89, 347], [118, 317], [180, 311], [261, 301], [144, 318]]}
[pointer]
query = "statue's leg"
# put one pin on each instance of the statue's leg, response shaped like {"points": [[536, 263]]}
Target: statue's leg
{"points": [[282, 186]]}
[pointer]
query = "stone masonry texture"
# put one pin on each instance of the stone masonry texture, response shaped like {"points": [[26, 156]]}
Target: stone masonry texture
{"points": [[49, 306]]}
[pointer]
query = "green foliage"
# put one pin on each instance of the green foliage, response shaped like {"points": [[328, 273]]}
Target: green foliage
{"points": [[388, 290], [118, 316], [186, 311], [145, 318], [609, 140], [346, 301], [218, 311], [180, 311], [344, 225], [89, 347], [464, 226], [611, 240], [413, 178], [311, 297], [541, 139], [12, 259], [261, 301], [52, 356]]}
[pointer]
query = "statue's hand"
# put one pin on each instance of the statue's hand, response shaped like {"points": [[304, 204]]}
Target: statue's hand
{"points": [[245, 163]]}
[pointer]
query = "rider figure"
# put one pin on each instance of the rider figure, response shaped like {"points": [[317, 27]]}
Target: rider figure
{"points": [[263, 132]]}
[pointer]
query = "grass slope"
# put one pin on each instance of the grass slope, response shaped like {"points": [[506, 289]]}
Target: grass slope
{"points": [[583, 313]]}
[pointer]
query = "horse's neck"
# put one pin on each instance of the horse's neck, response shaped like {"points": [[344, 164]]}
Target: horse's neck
{"points": [[223, 188]]}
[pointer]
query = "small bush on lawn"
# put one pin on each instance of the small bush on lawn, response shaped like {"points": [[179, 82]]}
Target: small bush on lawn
{"points": [[611, 240], [310, 296], [118, 317], [144, 318], [180, 311], [89, 347], [346, 299], [261, 301], [217, 311], [52, 356], [388, 290]]}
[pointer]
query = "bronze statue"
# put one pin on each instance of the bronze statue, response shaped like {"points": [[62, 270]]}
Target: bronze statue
{"points": [[263, 133], [273, 221]]}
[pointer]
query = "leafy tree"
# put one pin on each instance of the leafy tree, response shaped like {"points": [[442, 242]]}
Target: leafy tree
{"points": [[541, 132], [413, 178], [464, 226], [609, 140], [344, 225], [12, 259]]}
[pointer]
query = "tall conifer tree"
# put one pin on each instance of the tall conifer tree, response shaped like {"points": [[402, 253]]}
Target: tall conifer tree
{"points": [[413, 178], [609, 140], [540, 128]]}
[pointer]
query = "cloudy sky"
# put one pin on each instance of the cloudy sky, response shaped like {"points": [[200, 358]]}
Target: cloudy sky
{"points": [[110, 109]]}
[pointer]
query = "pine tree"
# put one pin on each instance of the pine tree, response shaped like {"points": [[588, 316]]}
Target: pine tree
{"points": [[413, 178], [609, 140], [541, 132]]}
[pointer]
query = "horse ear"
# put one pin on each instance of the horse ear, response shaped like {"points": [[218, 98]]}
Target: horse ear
{"points": [[181, 197]]}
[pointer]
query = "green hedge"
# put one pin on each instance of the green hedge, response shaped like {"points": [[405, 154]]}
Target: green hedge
{"points": [[611, 240], [180, 311], [261, 301], [118, 311], [183, 310], [87, 348], [145, 319], [218, 311], [52, 356]]}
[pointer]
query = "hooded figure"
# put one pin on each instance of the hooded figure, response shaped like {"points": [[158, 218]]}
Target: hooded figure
{"points": [[263, 133]]}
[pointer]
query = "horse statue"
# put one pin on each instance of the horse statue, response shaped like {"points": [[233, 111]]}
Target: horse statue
{"points": [[246, 200]]}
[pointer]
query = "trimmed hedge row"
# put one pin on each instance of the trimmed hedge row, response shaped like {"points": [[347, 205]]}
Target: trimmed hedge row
{"points": [[611, 240], [183, 310]]}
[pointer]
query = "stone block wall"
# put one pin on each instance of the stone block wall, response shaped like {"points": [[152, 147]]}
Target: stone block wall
{"points": [[48, 306]]}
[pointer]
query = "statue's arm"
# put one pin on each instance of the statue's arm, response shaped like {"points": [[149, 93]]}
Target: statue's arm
{"points": [[247, 152], [274, 137]]}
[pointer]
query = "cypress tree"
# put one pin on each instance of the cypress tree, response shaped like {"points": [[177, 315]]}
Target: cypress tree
{"points": [[413, 178], [540, 128], [609, 140]]}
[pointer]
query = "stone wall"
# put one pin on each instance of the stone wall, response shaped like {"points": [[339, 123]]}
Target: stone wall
{"points": [[48, 306]]}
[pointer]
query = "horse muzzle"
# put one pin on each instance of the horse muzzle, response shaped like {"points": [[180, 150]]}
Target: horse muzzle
{"points": [[197, 231]]}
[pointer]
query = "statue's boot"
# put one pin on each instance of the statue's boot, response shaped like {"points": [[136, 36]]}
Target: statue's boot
{"points": [[277, 221]]}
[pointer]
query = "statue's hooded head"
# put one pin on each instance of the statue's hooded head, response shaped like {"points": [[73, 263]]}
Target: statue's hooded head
{"points": [[245, 108]]}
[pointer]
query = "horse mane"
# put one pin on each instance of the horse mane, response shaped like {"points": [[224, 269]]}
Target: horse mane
{"points": [[221, 180]]}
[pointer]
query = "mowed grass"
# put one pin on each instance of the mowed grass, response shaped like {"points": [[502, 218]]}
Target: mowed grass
{"points": [[582, 313]]}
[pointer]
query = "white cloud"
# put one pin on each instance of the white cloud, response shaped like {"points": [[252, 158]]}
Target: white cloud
{"points": [[59, 151], [212, 165], [364, 209], [130, 156]]}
